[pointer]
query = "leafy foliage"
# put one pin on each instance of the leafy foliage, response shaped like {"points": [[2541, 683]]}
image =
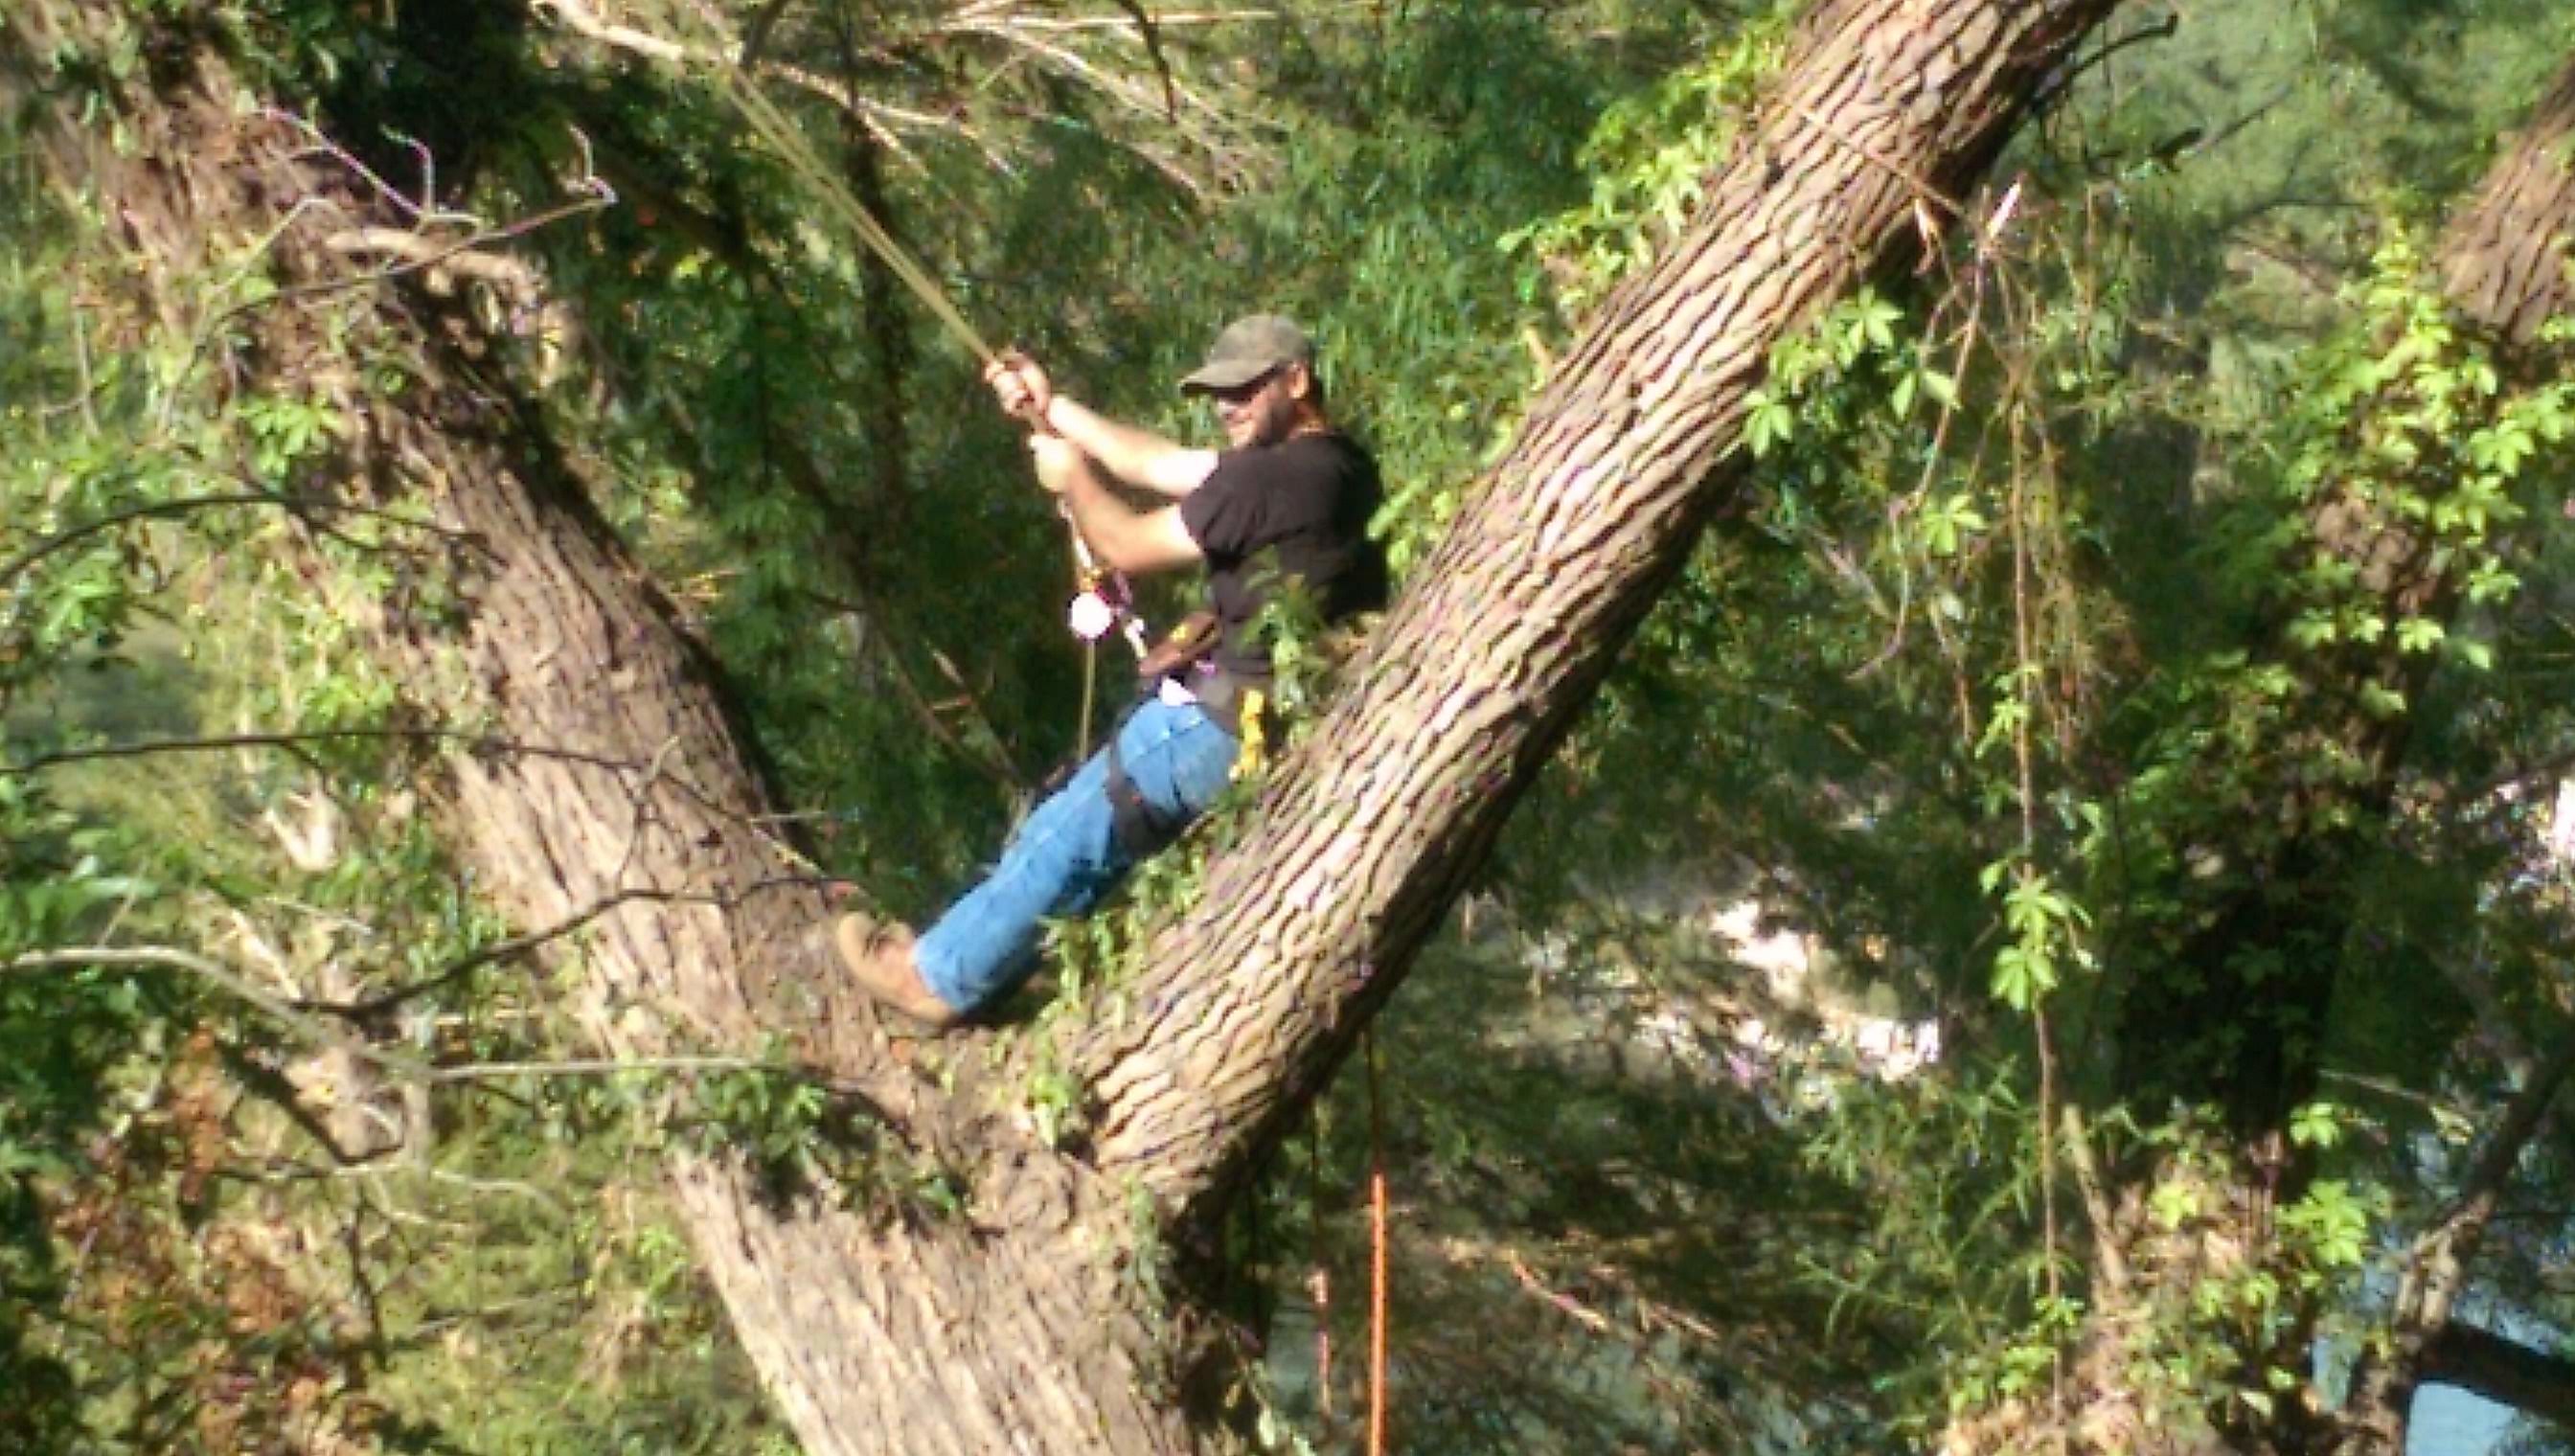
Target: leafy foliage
{"points": [[2142, 663]]}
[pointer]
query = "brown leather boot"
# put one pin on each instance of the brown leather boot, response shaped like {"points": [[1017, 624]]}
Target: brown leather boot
{"points": [[878, 956]]}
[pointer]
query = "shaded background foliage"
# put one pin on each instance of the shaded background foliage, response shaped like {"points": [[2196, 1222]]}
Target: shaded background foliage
{"points": [[1614, 1230]]}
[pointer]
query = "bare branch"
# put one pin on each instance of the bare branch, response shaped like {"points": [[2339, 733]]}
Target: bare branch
{"points": [[518, 946], [471, 742], [72, 536], [2483, 1187], [399, 1066], [611, 1066], [171, 957], [578, 16], [303, 510]]}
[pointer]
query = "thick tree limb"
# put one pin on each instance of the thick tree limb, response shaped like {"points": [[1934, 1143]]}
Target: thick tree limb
{"points": [[2534, 1382], [2427, 1292]]}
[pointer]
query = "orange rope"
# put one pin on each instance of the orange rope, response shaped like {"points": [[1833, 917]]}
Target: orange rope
{"points": [[1376, 1261], [1321, 1285]]}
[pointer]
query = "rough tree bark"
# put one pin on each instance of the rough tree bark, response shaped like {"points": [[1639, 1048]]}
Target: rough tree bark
{"points": [[610, 776], [2508, 253]]}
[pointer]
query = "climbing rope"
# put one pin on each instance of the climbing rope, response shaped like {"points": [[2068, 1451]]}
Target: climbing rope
{"points": [[787, 142]]}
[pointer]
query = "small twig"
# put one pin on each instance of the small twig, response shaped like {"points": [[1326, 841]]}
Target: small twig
{"points": [[374, 1008], [2482, 1189], [1590, 1319], [472, 741], [475, 1072], [71, 535], [2065, 80], [80, 356], [419, 212], [2440, 1109], [398, 1065], [171, 957], [256, 496], [478, 1185], [1958, 366]]}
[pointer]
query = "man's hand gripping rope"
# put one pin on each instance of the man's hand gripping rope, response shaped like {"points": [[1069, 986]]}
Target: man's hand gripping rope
{"points": [[1105, 600]]}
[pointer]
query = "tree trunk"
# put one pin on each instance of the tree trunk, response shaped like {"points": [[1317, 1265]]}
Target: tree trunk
{"points": [[2508, 256], [605, 771]]}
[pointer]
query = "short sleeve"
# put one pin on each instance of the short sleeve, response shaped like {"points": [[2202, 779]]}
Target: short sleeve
{"points": [[1227, 514]]}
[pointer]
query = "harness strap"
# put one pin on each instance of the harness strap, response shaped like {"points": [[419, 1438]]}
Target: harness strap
{"points": [[1231, 699], [1136, 827]]}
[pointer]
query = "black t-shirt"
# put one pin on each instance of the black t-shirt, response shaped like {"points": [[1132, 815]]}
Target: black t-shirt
{"points": [[1306, 501]]}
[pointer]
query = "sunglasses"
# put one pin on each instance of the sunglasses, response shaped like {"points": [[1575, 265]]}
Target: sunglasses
{"points": [[1244, 391]]}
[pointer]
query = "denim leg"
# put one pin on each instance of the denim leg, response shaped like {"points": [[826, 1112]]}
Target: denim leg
{"points": [[1065, 857], [1180, 759]]}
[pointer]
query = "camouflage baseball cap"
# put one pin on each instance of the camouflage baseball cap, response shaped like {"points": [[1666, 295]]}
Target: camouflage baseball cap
{"points": [[1248, 349]]}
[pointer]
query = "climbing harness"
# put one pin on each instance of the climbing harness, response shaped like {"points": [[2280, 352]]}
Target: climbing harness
{"points": [[1102, 599], [1139, 829]]}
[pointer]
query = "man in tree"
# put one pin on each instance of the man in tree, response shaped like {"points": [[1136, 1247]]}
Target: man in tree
{"points": [[1288, 499]]}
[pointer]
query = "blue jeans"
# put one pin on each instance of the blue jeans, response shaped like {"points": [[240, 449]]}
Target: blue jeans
{"points": [[1064, 858]]}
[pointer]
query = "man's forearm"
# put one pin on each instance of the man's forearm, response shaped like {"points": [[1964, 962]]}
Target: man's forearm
{"points": [[1131, 454], [1122, 536], [1099, 514]]}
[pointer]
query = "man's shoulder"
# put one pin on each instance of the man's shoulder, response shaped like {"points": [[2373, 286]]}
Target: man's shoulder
{"points": [[1324, 456]]}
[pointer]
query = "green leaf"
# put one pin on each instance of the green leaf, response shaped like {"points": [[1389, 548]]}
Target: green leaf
{"points": [[2420, 635]]}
